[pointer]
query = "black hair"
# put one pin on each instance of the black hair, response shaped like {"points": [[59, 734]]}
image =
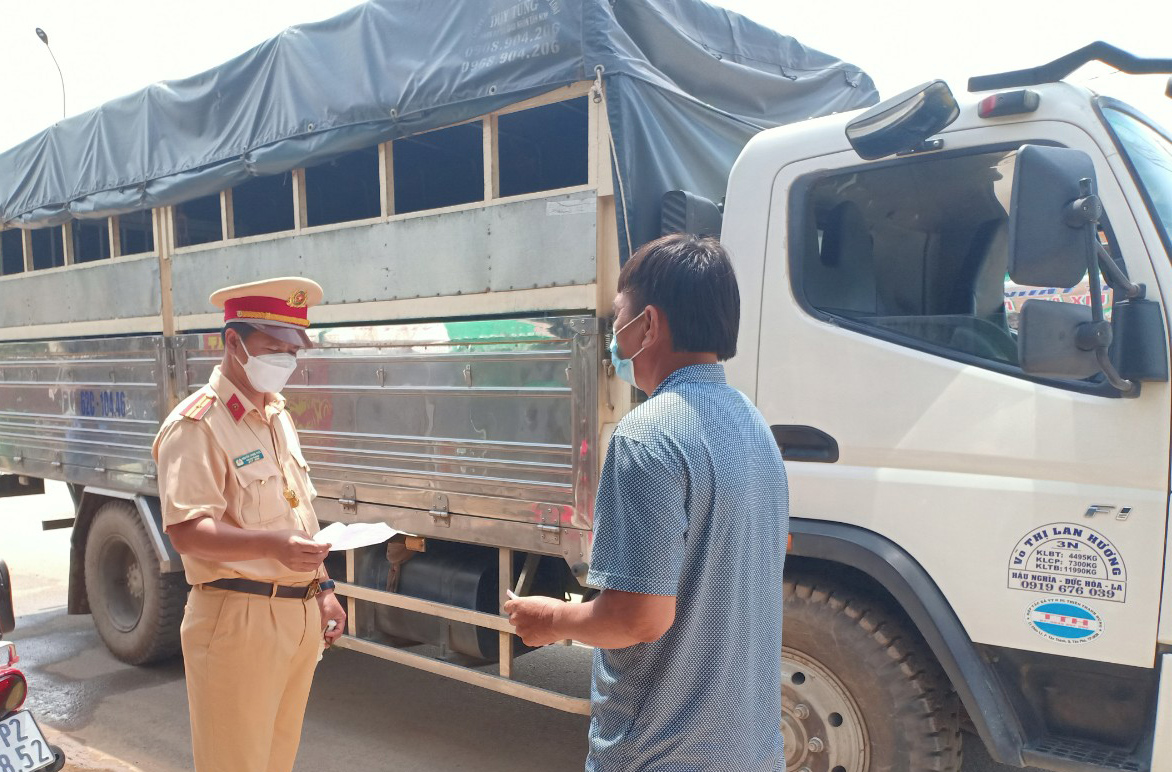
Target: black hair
{"points": [[243, 329], [691, 280]]}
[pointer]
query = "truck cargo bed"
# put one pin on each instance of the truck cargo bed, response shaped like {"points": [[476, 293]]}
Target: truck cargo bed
{"points": [[483, 431]]}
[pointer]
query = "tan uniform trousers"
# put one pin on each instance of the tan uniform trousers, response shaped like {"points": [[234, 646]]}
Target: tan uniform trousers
{"points": [[249, 661]]}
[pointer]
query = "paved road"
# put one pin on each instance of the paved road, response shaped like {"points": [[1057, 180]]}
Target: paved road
{"points": [[364, 714]]}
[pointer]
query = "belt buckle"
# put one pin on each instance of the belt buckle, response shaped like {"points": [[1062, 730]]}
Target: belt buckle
{"points": [[313, 590]]}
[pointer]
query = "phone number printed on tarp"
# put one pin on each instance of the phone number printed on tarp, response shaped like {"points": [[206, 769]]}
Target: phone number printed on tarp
{"points": [[1068, 559], [527, 29]]}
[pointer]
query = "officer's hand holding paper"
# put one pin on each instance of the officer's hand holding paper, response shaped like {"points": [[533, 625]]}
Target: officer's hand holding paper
{"points": [[342, 536], [295, 550]]}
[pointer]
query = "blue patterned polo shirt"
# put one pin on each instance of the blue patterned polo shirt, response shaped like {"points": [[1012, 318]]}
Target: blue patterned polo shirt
{"points": [[693, 502]]}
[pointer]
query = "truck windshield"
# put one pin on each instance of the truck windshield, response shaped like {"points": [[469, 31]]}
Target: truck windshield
{"points": [[1150, 155]]}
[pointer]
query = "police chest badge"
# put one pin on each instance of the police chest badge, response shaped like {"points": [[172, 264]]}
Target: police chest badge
{"points": [[247, 458]]}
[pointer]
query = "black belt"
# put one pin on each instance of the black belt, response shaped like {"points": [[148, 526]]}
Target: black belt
{"points": [[266, 588]]}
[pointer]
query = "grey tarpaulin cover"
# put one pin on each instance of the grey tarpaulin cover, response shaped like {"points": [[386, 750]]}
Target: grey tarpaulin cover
{"points": [[687, 83]]}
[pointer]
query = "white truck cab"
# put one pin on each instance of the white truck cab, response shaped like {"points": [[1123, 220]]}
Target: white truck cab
{"points": [[966, 490]]}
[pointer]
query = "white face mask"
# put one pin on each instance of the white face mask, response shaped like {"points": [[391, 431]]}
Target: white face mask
{"points": [[268, 373]]}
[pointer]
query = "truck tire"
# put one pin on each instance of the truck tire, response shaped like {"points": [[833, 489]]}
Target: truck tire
{"points": [[136, 609], [860, 691]]}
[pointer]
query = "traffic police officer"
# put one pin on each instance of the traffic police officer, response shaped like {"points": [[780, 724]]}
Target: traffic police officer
{"points": [[237, 506]]}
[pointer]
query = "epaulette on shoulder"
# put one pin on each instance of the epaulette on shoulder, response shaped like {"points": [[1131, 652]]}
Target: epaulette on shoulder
{"points": [[198, 407]]}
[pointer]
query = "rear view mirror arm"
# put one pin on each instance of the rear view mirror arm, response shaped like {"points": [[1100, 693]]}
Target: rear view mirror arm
{"points": [[1122, 384], [1085, 212], [1098, 332], [1088, 211], [1116, 279]]}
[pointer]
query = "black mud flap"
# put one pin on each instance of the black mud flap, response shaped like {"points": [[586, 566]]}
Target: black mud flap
{"points": [[19, 485]]}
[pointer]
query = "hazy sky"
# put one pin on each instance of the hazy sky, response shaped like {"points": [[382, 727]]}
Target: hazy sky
{"points": [[110, 48]]}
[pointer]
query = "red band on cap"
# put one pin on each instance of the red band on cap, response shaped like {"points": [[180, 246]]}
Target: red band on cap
{"points": [[261, 308]]}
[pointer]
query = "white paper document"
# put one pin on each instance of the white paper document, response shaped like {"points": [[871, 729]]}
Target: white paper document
{"points": [[341, 536]]}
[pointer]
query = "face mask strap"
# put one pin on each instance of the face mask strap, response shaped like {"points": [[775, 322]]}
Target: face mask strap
{"points": [[244, 346], [632, 321], [625, 326], [246, 351], [252, 356]]}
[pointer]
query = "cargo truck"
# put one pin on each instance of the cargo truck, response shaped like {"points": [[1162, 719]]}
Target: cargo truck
{"points": [[980, 507]]}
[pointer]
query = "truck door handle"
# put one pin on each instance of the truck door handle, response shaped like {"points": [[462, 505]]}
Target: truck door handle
{"points": [[805, 443]]}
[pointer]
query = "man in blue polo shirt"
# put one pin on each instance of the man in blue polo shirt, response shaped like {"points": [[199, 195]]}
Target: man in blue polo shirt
{"points": [[689, 538]]}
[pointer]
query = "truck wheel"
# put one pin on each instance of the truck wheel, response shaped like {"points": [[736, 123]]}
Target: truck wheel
{"points": [[136, 609], [860, 692]]}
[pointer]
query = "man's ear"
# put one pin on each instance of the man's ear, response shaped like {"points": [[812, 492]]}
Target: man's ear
{"points": [[656, 326], [231, 340]]}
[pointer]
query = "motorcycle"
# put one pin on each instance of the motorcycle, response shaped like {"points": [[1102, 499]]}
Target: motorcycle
{"points": [[23, 747]]}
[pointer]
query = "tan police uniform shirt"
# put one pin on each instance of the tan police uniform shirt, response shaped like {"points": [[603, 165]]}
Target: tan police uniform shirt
{"points": [[220, 457]]}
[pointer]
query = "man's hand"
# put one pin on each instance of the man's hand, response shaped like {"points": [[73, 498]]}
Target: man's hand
{"points": [[613, 620], [296, 550], [330, 608], [535, 618]]}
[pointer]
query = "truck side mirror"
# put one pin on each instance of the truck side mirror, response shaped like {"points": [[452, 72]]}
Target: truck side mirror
{"points": [[684, 212], [1054, 215], [1062, 340], [1050, 340], [902, 123], [1139, 350], [1048, 245], [7, 614]]}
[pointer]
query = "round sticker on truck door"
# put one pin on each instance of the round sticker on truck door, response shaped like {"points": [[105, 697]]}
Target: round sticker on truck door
{"points": [[1064, 621], [1071, 560]]}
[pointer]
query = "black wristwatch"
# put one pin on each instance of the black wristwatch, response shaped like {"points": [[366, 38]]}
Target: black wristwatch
{"points": [[328, 584]]}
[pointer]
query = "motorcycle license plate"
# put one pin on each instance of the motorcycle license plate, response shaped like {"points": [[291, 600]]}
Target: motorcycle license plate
{"points": [[22, 746]]}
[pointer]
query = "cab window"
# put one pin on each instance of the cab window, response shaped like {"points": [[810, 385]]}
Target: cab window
{"points": [[916, 251]]}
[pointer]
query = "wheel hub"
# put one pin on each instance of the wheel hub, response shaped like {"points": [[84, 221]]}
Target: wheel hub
{"points": [[134, 581], [123, 584], [821, 723]]}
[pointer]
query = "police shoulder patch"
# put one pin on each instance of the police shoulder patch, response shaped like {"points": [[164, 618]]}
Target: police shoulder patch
{"points": [[198, 407]]}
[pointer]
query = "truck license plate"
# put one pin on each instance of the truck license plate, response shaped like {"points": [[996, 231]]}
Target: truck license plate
{"points": [[22, 746]]}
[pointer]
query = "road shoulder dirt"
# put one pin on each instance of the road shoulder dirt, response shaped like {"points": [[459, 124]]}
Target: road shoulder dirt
{"points": [[80, 758]]}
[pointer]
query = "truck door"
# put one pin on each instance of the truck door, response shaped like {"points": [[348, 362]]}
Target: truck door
{"points": [[1038, 507]]}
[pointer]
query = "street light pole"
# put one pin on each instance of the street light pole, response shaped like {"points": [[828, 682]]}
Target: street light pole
{"points": [[45, 39]]}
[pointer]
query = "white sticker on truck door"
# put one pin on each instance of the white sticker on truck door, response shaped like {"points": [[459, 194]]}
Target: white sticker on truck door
{"points": [[1071, 560], [1064, 621]]}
